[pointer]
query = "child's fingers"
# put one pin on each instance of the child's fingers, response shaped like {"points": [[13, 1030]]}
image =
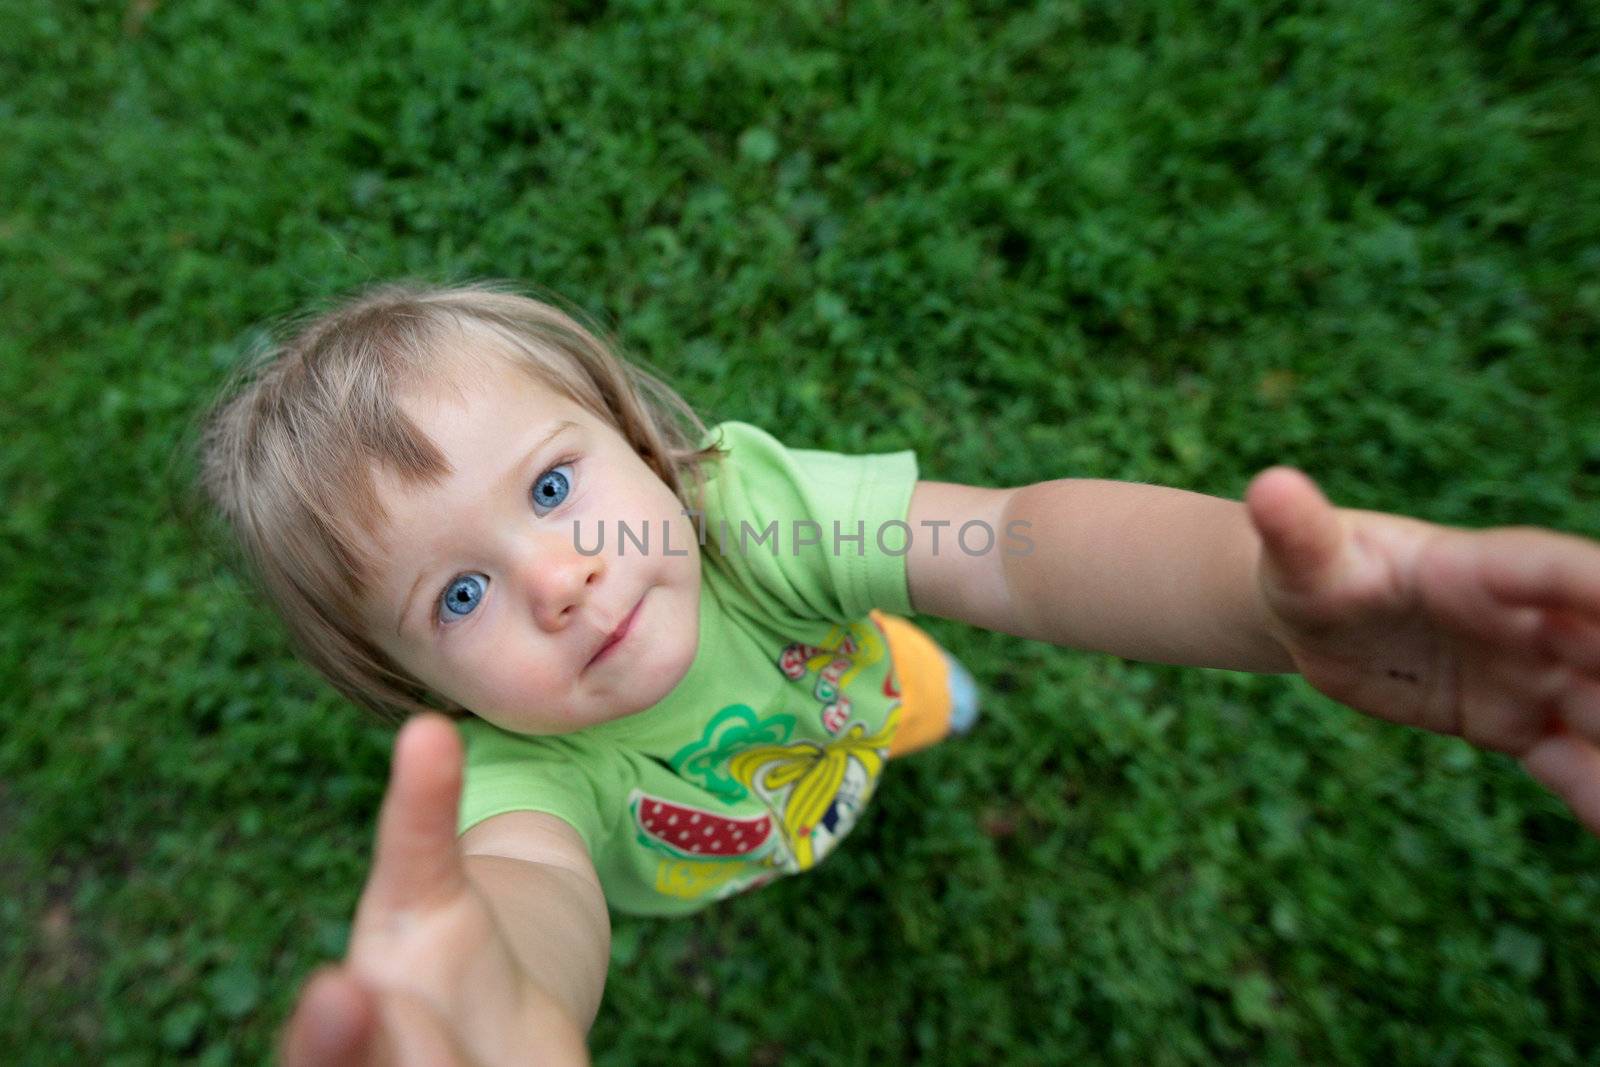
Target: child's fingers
{"points": [[1571, 639], [340, 1023], [415, 861], [332, 1023], [1491, 585], [412, 1035], [1579, 705], [1529, 566], [1449, 580], [1569, 766], [1300, 531]]}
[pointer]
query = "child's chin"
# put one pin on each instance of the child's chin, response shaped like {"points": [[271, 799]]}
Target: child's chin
{"points": [[641, 700]]}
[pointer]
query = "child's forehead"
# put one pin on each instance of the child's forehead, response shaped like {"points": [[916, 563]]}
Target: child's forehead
{"points": [[478, 452], [476, 423], [467, 426], [468, 373]]}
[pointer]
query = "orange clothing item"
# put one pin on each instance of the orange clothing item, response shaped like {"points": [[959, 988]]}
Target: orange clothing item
{"points": [[923, 673]]}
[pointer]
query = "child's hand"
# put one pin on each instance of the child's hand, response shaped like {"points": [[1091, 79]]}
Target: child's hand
{"points": [[337, 1024], [1491, 635], [429, 978]]}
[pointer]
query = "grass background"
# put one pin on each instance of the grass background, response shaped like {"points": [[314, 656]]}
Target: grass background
{"points": [[1157, 241]]}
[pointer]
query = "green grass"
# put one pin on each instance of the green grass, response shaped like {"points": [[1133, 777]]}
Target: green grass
{"points": [[1161, 242]]}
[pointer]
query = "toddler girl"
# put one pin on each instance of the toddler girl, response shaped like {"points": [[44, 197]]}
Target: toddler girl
{"points": [[679, 659]]}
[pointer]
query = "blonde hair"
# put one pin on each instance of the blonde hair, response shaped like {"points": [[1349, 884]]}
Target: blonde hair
{"points": [[287, 460]]}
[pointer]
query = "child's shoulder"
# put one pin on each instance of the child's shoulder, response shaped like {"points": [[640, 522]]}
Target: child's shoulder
{"points": [[809, 531], [752, 449]]}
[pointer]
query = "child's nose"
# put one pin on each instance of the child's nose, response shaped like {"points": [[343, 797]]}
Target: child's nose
{"points": [[558, 579]]}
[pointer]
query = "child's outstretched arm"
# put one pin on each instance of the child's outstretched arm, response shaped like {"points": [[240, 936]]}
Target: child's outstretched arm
{"points": [[456, 960], [1491, 635]]}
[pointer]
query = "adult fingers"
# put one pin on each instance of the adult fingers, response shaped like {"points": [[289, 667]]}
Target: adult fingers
{"points": [[1569, 766], [415, 861], [332, 1023]]}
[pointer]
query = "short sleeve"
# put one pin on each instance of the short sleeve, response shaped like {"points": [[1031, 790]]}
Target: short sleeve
{"points": [[853, 507], [510, 772]]}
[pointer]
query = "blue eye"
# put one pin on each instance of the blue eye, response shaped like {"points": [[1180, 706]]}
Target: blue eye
{"points": [[461, 596], [551, 488]]}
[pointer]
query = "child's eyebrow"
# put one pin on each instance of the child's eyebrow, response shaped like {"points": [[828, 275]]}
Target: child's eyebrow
{"points": [[513, 474]]}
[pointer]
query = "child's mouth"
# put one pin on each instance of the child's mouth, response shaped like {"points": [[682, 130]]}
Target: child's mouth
{"points": [[616, 637]]}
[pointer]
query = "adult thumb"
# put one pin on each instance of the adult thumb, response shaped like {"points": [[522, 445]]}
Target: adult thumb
{"points": [[415, 861], [1300, 531]]}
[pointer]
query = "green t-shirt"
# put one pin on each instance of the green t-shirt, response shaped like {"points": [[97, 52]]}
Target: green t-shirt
{"points": [[762, 757]]}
